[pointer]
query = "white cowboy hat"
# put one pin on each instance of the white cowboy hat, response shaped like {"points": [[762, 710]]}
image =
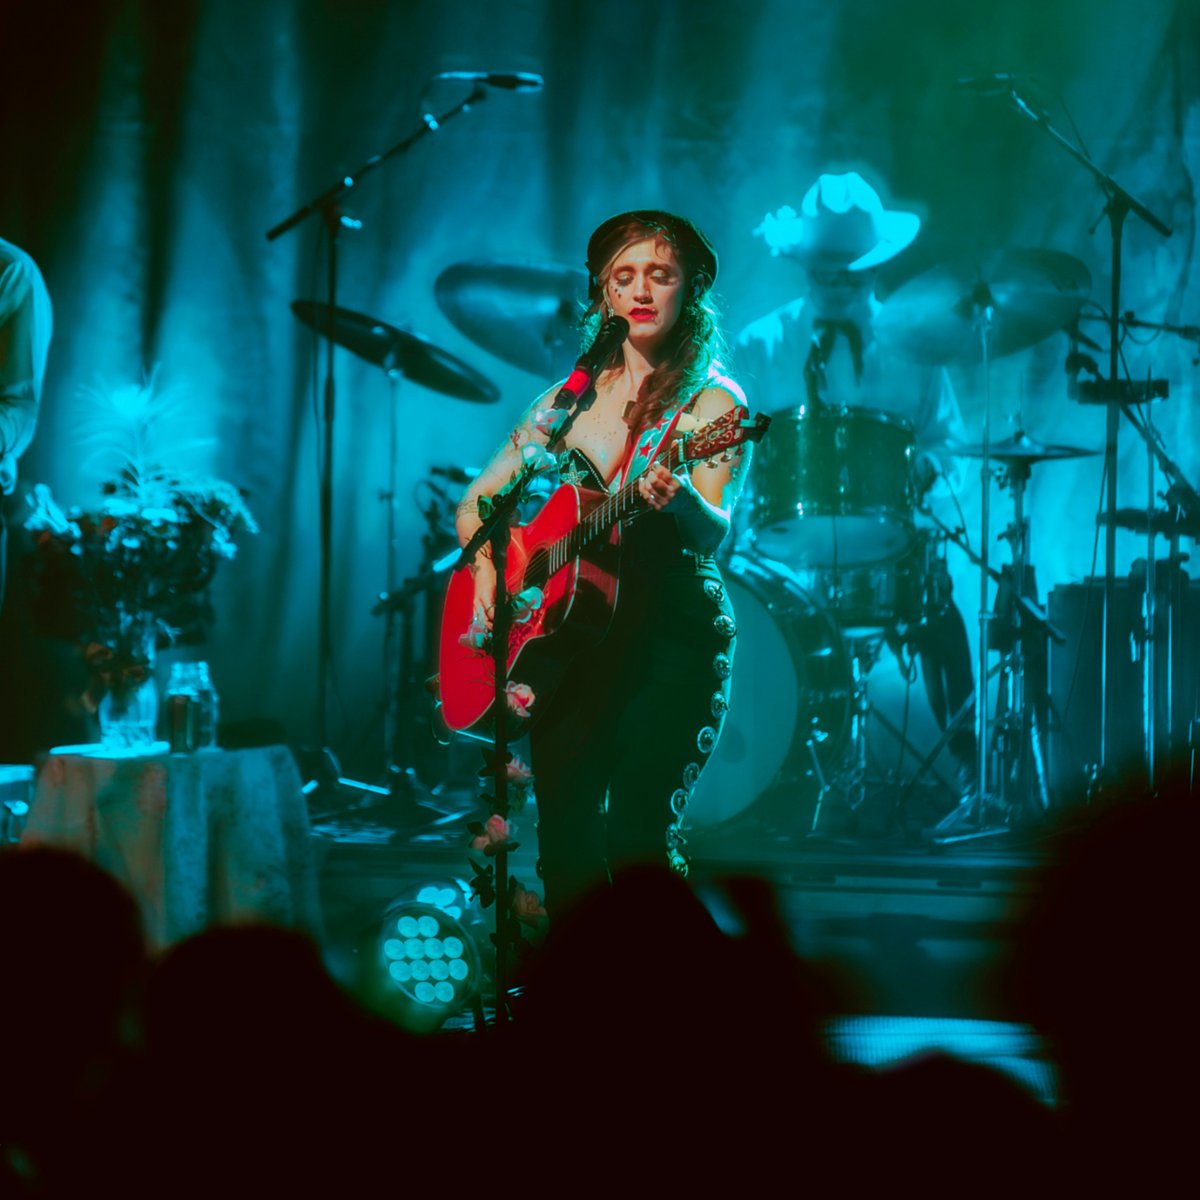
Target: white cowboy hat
{"points": [[841, 226]]}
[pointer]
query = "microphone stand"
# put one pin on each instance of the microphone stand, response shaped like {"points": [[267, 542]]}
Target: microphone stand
{"points": [[1184, 500], [327, 205], [494, 530], [1119, 204]]}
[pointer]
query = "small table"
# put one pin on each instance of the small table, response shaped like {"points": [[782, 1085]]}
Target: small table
{"points": [[198, 839]]}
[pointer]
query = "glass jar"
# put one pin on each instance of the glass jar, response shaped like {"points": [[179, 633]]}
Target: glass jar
{"points": [[192, 708]]}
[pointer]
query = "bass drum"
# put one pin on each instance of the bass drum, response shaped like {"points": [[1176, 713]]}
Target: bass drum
{"points": [[790, 702]]}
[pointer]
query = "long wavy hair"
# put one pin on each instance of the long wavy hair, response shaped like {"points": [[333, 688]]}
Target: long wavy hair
{"points": [[693, 345]]}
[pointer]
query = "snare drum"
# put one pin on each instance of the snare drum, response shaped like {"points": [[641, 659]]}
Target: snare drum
{"points": [[832, 489]]}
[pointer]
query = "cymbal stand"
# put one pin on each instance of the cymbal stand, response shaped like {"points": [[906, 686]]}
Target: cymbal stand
{"points": [[984, 306], [972, 817], [1019, 755]]}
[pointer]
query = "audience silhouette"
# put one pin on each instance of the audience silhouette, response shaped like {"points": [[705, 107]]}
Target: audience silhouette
{"points": [[651, 1041]]}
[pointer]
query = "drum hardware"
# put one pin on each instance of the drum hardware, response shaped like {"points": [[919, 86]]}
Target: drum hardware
{"points": [[978, 814], [524, 313], [851, 780], [1013, 739], [1170, 523], [925, 765], [979, 309], [1130, 320], [975, 310]]}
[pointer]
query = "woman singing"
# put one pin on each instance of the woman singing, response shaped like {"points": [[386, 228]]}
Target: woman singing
{"points": [[623, 740]]}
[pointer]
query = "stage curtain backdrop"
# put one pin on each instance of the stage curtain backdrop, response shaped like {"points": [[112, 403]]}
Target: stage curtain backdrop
{"points": [[145, 149]]}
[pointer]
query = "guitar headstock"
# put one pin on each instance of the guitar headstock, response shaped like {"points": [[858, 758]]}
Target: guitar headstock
{"points": [[722, 434]]}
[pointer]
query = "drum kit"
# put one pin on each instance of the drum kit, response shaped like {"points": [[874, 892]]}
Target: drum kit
{"points": [[839, 558]]}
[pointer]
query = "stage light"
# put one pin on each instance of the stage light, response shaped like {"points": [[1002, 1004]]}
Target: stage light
{"points": [[427, 963]]}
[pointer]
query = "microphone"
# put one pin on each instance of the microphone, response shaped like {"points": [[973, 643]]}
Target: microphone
{"points": [[518, 81], [612, 333], [990, 85]]}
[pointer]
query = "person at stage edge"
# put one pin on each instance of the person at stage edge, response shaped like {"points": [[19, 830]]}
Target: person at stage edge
{"points": [[621, 744], [821, 349], [26, 323]]}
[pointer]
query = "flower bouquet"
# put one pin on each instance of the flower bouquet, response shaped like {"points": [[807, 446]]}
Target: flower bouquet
{"points": [[131, 573]]}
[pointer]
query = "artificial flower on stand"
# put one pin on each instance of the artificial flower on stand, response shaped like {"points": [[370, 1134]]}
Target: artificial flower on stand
{"points": [[497, 836], [130, 573]]}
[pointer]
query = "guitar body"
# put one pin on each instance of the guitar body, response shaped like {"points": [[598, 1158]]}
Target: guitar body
{"points": [[569, 551], [578, 602]]}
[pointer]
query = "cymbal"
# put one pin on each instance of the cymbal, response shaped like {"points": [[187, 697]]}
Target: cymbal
{"points": [[1164, 522], [1020, 448], [1032, 292], [398, 351], [525, 313]]}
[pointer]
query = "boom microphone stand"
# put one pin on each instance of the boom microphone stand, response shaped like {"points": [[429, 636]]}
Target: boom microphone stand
{"points": [[1112, 392], [328, 206]]}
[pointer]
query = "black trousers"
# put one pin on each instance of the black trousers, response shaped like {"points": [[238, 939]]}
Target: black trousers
{"points": [[625, 738]]}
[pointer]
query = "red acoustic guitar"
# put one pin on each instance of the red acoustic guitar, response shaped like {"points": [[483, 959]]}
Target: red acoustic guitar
{"points": [[565, 560]]}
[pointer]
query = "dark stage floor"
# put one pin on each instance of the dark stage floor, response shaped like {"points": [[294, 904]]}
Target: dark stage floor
{"points": [[915, 938]]}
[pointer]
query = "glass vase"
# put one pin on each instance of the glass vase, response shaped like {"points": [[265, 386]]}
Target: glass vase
{"points": [[128, 712]]}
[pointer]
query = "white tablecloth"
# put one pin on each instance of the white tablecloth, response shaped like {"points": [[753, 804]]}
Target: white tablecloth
{"points": [[199, 839]]}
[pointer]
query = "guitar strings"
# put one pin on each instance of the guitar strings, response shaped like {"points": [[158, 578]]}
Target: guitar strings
{"points": [[615, 507]]}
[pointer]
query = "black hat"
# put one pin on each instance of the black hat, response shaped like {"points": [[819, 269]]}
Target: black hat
{"points": [[679, 231]]}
